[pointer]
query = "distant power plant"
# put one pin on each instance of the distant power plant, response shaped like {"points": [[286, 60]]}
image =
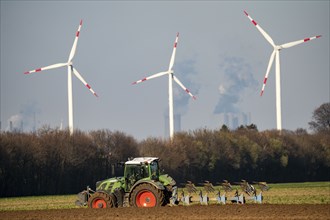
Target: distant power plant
{"points": [[231, 120]]}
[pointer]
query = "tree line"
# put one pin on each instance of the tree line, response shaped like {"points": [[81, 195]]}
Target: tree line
{"points": [[51, 161]]}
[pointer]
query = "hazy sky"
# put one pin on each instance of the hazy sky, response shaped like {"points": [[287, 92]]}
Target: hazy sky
{"points": [[221, 57]]}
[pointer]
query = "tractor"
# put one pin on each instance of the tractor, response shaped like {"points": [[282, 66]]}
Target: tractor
{"points": [[141, 186]]}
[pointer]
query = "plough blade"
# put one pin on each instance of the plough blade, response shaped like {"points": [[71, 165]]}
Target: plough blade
{"points": [[262, 185], [208, 187], [226, 186], [191, 188]]}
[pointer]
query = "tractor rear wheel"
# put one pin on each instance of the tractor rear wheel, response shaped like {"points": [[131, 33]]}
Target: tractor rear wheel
{"points": [[146, 195], [100, 200]]}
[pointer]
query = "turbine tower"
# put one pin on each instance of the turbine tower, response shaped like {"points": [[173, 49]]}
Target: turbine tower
{"points": [[71, 70], [276, 55], [171, 77]]}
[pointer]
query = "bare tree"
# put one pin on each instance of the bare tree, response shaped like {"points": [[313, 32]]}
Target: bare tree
{"points": [[321, 118]]}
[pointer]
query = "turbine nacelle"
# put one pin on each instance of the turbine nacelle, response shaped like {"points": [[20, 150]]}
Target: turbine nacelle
{"points": [[171, 72], [278, 47]]}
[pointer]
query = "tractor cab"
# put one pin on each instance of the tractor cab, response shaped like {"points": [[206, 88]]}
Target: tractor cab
{"points": [[140, 168]]}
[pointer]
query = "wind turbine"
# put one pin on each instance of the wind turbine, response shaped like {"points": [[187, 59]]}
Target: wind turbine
{"points": [[171, 77], [276, 54], [71, 70]]}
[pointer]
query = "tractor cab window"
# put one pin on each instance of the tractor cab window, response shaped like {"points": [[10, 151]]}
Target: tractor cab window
{"points": [[144, 171], [154, 169], [136, 172]]}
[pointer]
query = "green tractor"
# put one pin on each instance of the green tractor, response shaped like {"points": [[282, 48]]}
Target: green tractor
{"points": [[141, 186]]}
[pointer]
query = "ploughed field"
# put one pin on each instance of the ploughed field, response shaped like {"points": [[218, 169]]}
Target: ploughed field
{"points": [[282, 201], [232, 211]]}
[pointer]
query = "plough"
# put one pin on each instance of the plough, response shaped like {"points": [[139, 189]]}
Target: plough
{"points": [[204, 195]]}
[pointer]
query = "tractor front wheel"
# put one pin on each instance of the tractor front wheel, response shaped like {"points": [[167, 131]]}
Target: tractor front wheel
{"points": [[146, 195], [100, 200]]}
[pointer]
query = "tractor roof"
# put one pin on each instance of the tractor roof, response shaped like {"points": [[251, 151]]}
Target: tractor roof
{"points": [[139, 160]]}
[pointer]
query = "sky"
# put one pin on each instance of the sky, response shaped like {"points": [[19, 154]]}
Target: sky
{"points": [[221, 58]]}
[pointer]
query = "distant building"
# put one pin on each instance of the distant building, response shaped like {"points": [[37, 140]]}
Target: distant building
{"points": [[230, 119]]}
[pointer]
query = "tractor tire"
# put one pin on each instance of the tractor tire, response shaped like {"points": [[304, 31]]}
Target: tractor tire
{"points": [[101, 200], [114, 200], [146, 195], [119, 196]]}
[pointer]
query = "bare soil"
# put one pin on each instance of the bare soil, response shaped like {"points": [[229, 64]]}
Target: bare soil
{"points": [[231, 211]]}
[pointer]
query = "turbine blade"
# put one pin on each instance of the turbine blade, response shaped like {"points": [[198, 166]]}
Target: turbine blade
{"points": [[151, 77], [74, 46], [173, 53], [183, 87], [266, 36], [47, 68], [294, 43], [75, 72], [271, 60]]}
